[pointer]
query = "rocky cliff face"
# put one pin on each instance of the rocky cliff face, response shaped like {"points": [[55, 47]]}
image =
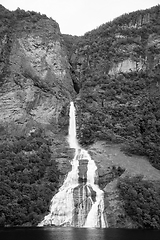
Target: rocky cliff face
{"points": [[35, 81]]}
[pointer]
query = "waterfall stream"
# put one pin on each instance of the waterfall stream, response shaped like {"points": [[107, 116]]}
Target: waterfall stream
{"points": [[79, 202]]}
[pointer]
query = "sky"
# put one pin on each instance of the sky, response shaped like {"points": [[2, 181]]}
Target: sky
{"points": [[77, 17]]}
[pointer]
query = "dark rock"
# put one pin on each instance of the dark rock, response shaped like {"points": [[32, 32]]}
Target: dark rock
{"points": [[82, 170]]}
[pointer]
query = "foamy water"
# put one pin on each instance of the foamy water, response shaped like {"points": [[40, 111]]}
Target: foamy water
{"points": [[62, 209]]}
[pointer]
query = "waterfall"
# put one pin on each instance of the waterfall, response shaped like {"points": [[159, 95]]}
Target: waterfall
{"points": [[79, 202], [72, 138]]}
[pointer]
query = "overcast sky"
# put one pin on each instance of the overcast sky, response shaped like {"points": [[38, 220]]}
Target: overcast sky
{"points": [[76, 17]]}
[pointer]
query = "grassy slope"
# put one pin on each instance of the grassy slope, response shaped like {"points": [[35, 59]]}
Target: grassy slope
{"points": [[106, 156]]}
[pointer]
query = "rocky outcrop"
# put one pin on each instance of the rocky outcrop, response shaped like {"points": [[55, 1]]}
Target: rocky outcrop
{"points": [[125, 66], [136, 62], [82, 171]]}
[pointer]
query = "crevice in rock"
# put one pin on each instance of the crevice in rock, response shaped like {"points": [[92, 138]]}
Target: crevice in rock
{"points": [[76, 86]]}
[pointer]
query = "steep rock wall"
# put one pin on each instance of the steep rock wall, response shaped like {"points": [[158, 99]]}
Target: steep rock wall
{"points": [[35, 79]]}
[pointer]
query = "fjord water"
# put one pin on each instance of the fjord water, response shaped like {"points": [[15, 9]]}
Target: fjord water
{"points": [[52, 233], [74, 204]]}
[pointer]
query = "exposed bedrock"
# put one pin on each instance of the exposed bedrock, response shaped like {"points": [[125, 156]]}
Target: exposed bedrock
{"points": [[36, 86], [82, 171]]}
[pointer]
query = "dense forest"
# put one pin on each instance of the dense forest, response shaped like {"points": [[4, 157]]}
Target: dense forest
{"points": [[141, 201], [28, 179]]}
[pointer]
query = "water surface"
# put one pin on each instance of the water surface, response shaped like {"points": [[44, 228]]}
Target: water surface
{"points": [[51, 233]]}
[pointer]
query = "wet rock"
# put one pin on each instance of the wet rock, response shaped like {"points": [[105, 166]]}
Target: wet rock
{"points": [[82, 204], [82, 171]]}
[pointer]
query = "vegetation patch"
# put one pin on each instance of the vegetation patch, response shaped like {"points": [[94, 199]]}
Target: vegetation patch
{"points": [[28, 180], [141, 201]]}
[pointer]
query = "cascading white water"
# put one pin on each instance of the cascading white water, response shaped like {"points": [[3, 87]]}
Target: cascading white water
{"points": [[62, 204], [68, 208], [72, 138], [95, 217]]}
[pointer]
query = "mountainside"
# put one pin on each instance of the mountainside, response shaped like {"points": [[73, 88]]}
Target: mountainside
{"points": [[112, 74], [117, 69]]}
